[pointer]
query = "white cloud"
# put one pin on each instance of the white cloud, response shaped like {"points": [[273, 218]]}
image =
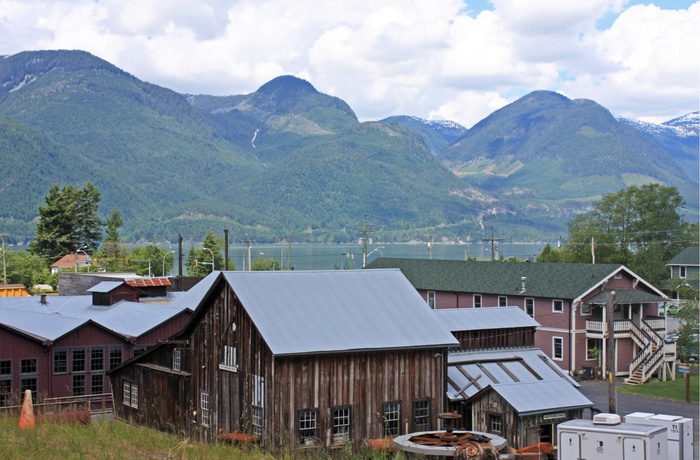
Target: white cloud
{"points": [[429, 58]]}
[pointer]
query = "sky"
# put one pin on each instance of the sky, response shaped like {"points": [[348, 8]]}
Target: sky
{"points": [[457, 60]]}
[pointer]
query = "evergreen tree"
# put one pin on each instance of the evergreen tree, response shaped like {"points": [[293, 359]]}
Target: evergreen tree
{"points": [[67, 222], [113, 253]]}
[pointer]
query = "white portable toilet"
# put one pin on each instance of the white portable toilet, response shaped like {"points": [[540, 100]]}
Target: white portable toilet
{"points": [[679, 432], [606, 438]]}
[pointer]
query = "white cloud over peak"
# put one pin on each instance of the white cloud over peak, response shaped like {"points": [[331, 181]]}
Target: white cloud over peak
{"points": [[428, 58]]}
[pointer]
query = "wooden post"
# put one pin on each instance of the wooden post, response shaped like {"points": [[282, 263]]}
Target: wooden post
{"points": [[610, 351], [687, 386]]}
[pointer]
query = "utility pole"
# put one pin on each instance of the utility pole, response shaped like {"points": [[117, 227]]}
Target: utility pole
{"points": [[247, 245], [289, 253], [610, 351], [4, 261], [179, 256], [226, 249], [493, 242], [365, 228]]}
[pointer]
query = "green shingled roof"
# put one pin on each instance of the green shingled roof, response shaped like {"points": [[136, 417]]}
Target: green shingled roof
{"points": [[688, 256], [558, 281]]}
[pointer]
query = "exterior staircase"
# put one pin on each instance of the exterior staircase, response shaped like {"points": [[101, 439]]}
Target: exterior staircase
{"points": [[650, 356]]}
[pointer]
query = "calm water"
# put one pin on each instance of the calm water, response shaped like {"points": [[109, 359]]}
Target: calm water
{"points": [[335, 256]]}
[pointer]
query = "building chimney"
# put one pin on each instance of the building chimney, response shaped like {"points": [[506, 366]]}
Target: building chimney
{"points": [[522, 283]]}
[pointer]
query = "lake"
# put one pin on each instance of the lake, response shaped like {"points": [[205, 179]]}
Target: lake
{"points": [[335, 256]]}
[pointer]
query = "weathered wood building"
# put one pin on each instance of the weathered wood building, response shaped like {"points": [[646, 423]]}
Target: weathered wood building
{"points": [[299, 358], [500, 383]]}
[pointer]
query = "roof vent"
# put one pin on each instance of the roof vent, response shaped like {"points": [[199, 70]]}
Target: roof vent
{"points": [[522, 283], [607, 419], [42, 299]]}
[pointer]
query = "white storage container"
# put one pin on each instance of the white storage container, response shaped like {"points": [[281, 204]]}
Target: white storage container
{"points": [[586, 440], [679, 432]]}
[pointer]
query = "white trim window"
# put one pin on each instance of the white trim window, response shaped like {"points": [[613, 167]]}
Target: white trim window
{"points": [[177, 360], [502, 301], [558, 306], [204, 407], [341, 425], [585, 309], [431, 299], [558, 348], [307, 426], [530, 306], [131, 394], [682, 272], [477, 301]]}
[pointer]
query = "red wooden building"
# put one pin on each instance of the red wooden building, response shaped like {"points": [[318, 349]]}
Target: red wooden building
{"points": [[60, 346]]}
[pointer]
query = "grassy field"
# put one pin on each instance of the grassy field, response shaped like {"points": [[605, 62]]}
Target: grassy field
{"points": [[672, 389], [119, 440]]}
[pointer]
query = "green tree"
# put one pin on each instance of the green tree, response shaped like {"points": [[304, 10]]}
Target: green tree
{"points": [[211, 245], [265, 264], [28, 269], [150, 257], [67, 222], [553, 255], [112, 256], [688, 317], [640, 227]]}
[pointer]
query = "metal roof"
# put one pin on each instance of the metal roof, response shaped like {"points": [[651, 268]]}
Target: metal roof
{"points": [[469, 372], [299, 312], [541, 396], [60, 314], [472, 319], [105, 286]]}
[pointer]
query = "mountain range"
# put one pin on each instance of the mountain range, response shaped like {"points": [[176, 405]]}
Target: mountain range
{"points": [[287, 161]]}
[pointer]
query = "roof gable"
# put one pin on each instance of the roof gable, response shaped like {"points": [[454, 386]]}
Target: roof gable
{"points": [[299, 312], [688, 256], [549, 280]]}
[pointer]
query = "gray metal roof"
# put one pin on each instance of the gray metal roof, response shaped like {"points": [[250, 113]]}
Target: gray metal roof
{"points": [[469, 372], [472, 319], [105, 286], [299, 312], [61, 314], [541, 396]]}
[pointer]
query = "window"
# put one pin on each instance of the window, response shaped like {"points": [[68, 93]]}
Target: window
{"points": [[681, 271], [230, 360], [27, 366], [5, 367], [530, 306], [585, 309], [97, 359], [421, 415], [477, 300], [618, 276], [127, 393], [131, 394], [558, 306], [60, 361], [79, 360], [392, 419], [502, 301], [115, 357], [495, 423], [177, 357], [5, 393], [557, 348], [31, 384], [431, 299], [341, 425], [257, 420], [307, 426], [78, 384], [593, 347], [140, 350], [97, 384], [204, 407]]}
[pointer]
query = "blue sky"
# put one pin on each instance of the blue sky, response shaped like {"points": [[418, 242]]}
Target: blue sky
{"points": [[435, 59]]}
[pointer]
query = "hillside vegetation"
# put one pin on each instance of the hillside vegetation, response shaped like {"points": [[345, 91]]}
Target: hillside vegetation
{"points": [[287, 160]]}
